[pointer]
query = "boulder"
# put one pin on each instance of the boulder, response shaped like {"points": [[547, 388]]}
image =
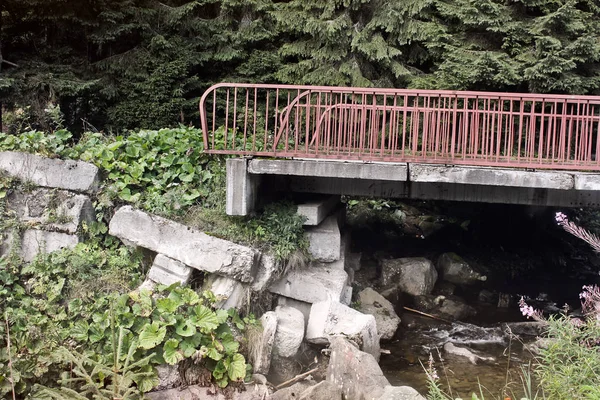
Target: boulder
{"points": [[312, 285], [325, 240], [230, 293], [261, 343], [301, 306], [77, 176], [52, 210], [290, 331], [283, 369], [526, 328], [386, 319], [324, 390], [168, 271], [473, 358], [454, 269], [414, 276], [330, 318], [400, 393], [357, 373], [195, 249], [449, 307]]}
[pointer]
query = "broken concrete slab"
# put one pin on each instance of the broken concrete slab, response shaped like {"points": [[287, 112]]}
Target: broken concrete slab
{"points": [[168, 271], [266, 272], [51, 209], [77, 176], [331, 318], [193, 248], [356, 372], [230, 293], [290, 331], [35, 241], [312, 285], [316, 211], [301, 306], [325, 240], [262, 345], [346, 298]]}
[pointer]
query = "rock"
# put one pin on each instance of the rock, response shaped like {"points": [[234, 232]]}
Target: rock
{"points": [[445, 288], [455, 308], [323, 390], [168, 271], [148, 285], [312, 285], [538, 345], [371, 302], [415, 276], [261, 343], [35, 241], [231, 293], [428, 302], [52, 210], [454, 269], [355, 372], [526, 328], [290, 331], [330, 318], [473, 358], [316, 211], [346, 298], [168, 376], [283, 369], [400, 393], [392, 293], [266, 273], [77, 176], [325, 240], [486, 296], [195, 392], [505, 300], [292, 392], [301, 306], [195, 249]]}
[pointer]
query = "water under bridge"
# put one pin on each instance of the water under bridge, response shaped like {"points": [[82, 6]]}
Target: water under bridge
{"points": [[518, 148]]}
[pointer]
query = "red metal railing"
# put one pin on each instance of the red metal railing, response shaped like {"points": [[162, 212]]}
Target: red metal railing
{"points": [[400, 125]]}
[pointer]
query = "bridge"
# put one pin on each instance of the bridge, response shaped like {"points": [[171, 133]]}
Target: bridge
{"points": [[522, 148]]}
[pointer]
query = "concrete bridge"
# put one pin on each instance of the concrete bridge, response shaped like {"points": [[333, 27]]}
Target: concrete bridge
{"points": [[513, 148]]}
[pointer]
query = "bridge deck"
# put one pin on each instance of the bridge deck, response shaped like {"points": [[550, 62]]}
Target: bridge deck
{"points": [[401, 125]]}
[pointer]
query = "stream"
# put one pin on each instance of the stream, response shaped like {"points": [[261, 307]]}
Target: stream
{"points": [[522, 252]]}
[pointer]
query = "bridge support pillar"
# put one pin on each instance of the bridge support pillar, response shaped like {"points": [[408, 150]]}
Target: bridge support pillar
{"points": [[242, 187]]}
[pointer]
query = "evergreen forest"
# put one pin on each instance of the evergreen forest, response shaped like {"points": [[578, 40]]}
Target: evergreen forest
{"points": [[114, 65]]}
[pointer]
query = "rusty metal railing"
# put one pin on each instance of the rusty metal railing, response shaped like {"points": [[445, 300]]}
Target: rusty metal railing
{"points": [[401, 125]]}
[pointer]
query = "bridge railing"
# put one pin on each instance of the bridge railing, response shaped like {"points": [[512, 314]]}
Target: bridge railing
{"points": [[400, 125]]}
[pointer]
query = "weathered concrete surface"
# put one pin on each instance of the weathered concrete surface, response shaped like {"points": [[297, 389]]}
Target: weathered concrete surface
{"points": [[346, 298], [587, 181], [312, 285], [242, 188], [301, 306], [325, 240], [330, 318], [490, 176], [262, 344], [72, 175], [266, 272], [54, 210], [35, 241], [316, 210], [168, 271], [195, 249], [230, 292], [371, 302], [290, 331], [415, 276], [355, 371], [330, 169]]}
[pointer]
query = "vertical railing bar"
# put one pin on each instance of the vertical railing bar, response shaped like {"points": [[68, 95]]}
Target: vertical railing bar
{"points": [[297, 122], [276, 115], [383, 130], [266, 121], [225, 141], [234, 117], [307, 129], [246, 118]]}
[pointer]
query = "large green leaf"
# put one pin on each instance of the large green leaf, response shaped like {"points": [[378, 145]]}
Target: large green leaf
{"points": [[185, 328], [171, 353], [152, 335], [237, 367], [166, 305], [79, 331], [204, 318]]}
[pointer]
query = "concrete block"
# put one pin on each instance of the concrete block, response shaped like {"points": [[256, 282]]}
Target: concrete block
{"points": [[231, 293], [77, 176], [54, 210], [168, 271], [325, 240], [316, 211], [331, 318], [331, 169], [301, 306], [586, 181], [242, 188], [262, 346], [195, 249], [346, 296], [35, 241], [290, 331], [266, 272], [490, 176], [311, 285]]}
